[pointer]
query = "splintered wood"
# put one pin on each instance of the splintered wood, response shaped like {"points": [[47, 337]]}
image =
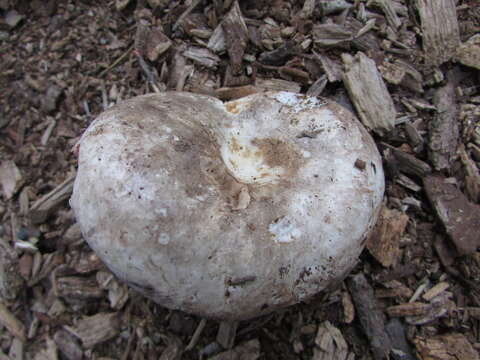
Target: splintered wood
{"points": [[330, 344], [236, 34], [440, 33], [460, 217], [95, 329], [469, 52], [452, 346], [369, 93], [443, 129], [384, 242]]}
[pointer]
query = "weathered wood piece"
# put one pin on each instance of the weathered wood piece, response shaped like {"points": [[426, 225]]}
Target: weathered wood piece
{"points": [[10, 178], [226, 333], [384, 242], [236, 34], [202, 56], [330, 344], [440, 32], [472, 175], [218, 42], [331, 35], [95, 329], [411, 165], [10, 280], [332, 69], [408, 309], [68, 345], [460, 217], [388, 8], [401, 349], [237, 92], [44, 206], [469, 52], [371, 317], [247, 350], [369, 93], [443, 129], [13, 325], [453, 346], [277, 85], [401, 73]]}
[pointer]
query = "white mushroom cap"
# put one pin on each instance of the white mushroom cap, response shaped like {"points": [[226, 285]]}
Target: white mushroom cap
{"points": [[228, 211]]}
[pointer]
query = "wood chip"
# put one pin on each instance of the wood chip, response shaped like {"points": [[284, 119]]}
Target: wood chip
{"points": [[472, 175], [202, 56], [453, 346], [13, 325], [410, 164], [436, 290], [443, 129], [401, 349], [460, 217], [348, 308], [280, 55], [236, 35], [408, 309], [332, 69], [233, 93], [384, 242], [368, 93], [388, 8], [10, 178], [11, 281], [469, 52], [331, 35], [440, 32], [68, 345], [92, 330], [226, 333], [44, 206], [247, 350], [401, 73], [330, 344], [72, 287], [218, 42], [371, 317], [277, 85]]}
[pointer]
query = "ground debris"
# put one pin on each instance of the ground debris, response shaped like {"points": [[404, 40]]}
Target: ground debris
{"points": [[95, 329], [13, 325], [236, 35], [469, 52], [440, 32], [453, 346], [247, 350], [371, 317], [68, 345], [10, 178], [330, 344], [443, 129], [384, 242], [369, 93], [460, 217]]}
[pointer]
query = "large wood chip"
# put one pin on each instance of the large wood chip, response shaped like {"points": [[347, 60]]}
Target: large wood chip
{"points": [[248, 350], [236, 34], [331, 35], [68, 345], [95, 329], [76, 287], [44, 206], [460, 217], [384, 242], [408, 309], [10, 178], [10, 280], [277, 85], [443, 129], [469, 52], [411, 165], [452, 346], [371, 317], [330, 344], [369, 93], [13, 325], [440, 32], [202, 56]]}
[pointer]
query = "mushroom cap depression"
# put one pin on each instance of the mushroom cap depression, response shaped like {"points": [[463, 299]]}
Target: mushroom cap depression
{"points": [[227, 210]]}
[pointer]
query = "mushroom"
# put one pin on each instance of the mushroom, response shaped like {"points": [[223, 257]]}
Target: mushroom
{"points": [[227, 210]]}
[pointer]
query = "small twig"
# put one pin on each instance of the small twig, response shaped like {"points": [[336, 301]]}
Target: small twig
{"points": [[148, 73], [104, 95], [116, 62], [196, 335], [192, 6]]}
